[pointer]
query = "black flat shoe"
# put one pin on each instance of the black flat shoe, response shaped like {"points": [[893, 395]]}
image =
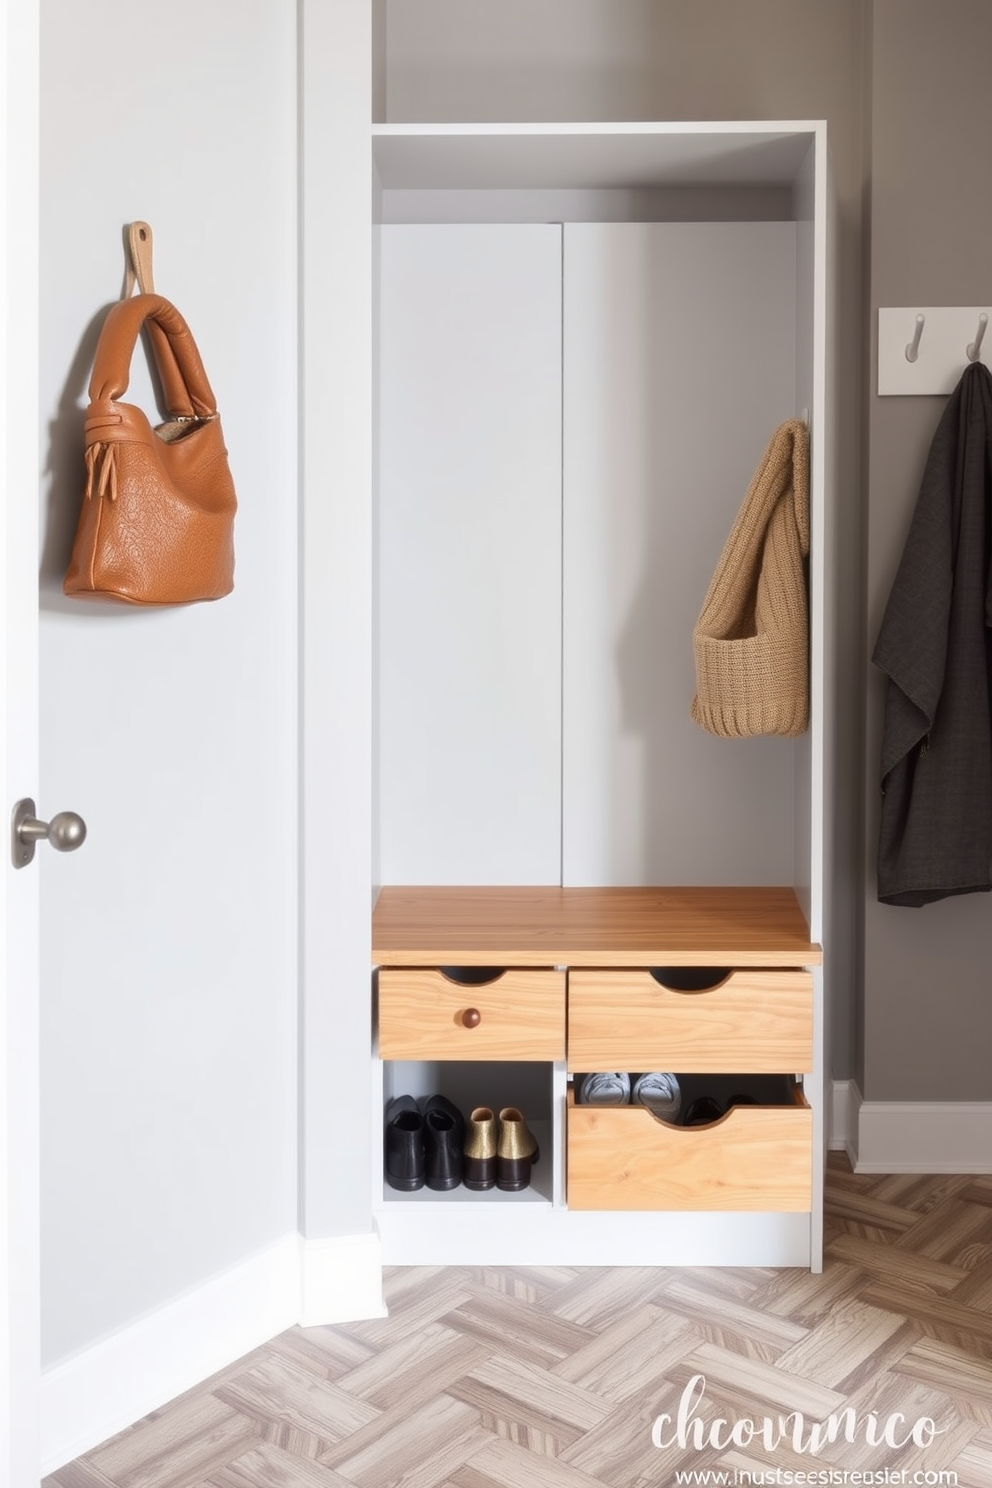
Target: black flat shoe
{"points": [[741, 1099], [444, 1139], [702, 1111], [405, 1156]]}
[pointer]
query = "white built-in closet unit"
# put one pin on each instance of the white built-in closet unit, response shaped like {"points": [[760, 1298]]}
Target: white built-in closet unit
{"points": [[585, 336]]}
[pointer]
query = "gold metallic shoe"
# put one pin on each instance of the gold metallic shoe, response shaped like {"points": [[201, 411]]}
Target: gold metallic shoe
{"points": [[479, 1167], [516, 1151]]}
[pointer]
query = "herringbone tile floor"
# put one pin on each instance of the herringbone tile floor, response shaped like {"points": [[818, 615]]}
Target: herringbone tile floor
{"points": [[553, 1376]]}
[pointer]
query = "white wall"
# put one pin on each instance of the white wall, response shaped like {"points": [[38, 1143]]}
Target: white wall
{"points": [[169, 984], [471, 512]]}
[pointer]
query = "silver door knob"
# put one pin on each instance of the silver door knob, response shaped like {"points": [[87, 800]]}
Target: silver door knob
{"points": [[66, 831]]}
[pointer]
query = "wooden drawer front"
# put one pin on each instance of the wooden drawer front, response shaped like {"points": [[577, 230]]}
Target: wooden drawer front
{"points": [[754, 1157], [760, 1021], [422, 1016]]}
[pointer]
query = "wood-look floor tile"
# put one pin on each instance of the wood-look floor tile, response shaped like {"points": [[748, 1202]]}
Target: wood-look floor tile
{"points": [[414, 1308], [807, 1297], [852, 1336], [504, 1464], [749, 1383], [840, 1174], [937, 1317], [415, 1369], [330, 1350], [417, 1451], [520, 1421], [402, 1283], [910, 1459], [178, 1446], [874, 1218], [469, 1476], [537, 1336], [975, 1290], [529, 1404], [282, 1392], [974, 1464], [619, 1450], [956, 1232], [503, 1377], [740, 1280], [958, 1373], [884, 1358], [895, 1264], [745, 1329], [629, 1357], [81, 1474], [269, 1466], [870, 1406], [597, 1297], [734, 1284], [922, 1194], [752, 1463], [978, 1190], [526, 1283]]}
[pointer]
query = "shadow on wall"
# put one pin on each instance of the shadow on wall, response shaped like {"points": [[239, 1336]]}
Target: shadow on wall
{"points": [[65, 473]]}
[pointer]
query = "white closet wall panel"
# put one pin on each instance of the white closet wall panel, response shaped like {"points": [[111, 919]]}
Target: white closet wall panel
{"points": [[679, 361], [470, 573]]}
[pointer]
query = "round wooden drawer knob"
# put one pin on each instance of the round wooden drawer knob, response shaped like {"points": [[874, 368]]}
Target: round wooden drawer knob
{"points": [[471, 1018]]}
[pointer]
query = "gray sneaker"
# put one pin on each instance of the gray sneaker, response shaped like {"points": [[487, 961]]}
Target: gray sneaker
{"points": [[611, 1089], [660, 1093]]}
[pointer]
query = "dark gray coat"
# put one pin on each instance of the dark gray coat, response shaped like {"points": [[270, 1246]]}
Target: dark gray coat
{"points": [[936, 768]]}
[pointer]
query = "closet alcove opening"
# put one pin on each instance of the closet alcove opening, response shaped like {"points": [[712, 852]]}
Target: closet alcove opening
{"points": [[535, 665]]}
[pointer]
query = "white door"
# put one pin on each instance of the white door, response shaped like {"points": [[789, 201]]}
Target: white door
{"points": [[19, 1329], [167, 1019]]}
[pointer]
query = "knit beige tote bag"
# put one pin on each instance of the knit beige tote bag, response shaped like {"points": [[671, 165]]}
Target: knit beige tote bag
{"points": [[750, 641]]}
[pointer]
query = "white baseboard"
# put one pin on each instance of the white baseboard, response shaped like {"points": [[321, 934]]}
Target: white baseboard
{"points": [[103, 1389], [845, 1106], [340, 1280], [911, 1136]]}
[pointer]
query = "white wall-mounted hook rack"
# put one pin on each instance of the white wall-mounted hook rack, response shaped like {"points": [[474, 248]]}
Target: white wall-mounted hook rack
{"points": [[924, 349]]}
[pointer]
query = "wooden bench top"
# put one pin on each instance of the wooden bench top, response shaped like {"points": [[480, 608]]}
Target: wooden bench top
{"points": [[540, 926]]}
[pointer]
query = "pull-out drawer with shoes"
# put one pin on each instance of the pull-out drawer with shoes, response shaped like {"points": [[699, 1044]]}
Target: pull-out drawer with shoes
{"points": [[471, 1013], [695, 1019], [755, 1157]]}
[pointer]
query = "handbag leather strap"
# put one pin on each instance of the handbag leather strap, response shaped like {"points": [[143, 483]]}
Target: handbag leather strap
{"points": [[185, 387]]}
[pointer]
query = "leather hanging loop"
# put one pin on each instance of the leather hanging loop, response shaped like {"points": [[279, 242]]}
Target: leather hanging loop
{"points": [[139, 267], [187, 392], [141, 244]]}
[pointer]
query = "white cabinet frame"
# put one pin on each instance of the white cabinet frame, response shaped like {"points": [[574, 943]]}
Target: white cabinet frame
{"points": [[347, 170]]}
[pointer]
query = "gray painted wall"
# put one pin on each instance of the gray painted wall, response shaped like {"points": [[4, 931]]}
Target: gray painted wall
{"points": [[708, 59], [927, 1011]]}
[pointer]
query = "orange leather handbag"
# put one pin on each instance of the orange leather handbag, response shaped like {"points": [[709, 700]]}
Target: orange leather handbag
{"points": [[157, 519]]}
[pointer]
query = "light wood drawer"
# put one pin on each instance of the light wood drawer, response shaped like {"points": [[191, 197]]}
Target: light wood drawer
{"points": [[754, 1158], [760, 1021], [424, 1014]]}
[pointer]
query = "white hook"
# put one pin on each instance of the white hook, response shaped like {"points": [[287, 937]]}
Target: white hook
{"points": [[975, 347], [913, 349]]}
